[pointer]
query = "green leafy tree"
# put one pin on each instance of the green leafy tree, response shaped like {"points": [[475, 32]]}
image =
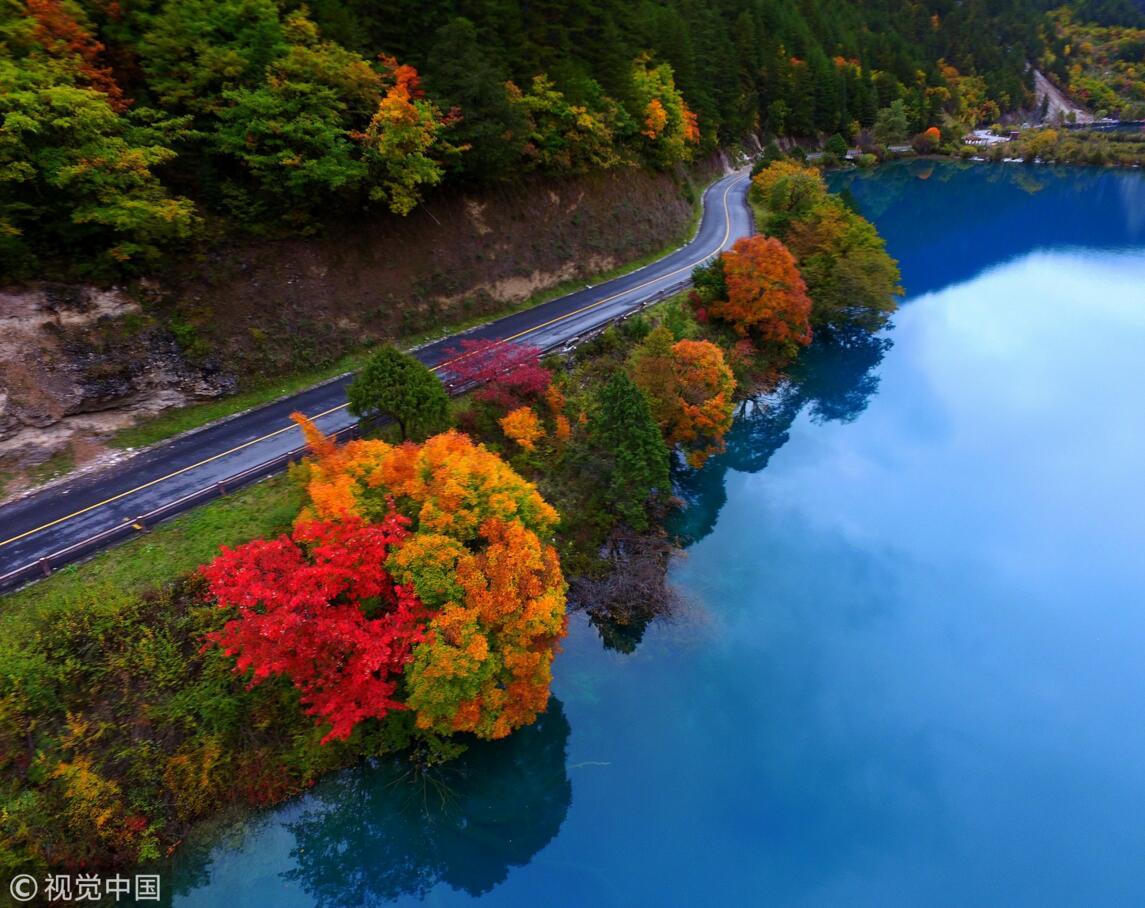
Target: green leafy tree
{"points": [[395, 385], [623, 428], [787, 190], [291, 134], [77, 177], [196, 50], [891, 123], [710, 281], [851, 279], [837, 145], [777, 115], [564, 137]]}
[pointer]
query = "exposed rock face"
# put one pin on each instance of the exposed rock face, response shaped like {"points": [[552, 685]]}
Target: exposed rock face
{"points": [[77, 363]]}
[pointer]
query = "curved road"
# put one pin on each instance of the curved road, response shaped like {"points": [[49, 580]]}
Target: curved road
{"points": [[70, 520]]}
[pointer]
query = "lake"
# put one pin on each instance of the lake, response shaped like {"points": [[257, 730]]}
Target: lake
{"points": [[910, 669]]}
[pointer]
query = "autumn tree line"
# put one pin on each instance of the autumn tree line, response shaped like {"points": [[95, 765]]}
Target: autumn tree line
{"points": [[130, 128], [1101, 65]]}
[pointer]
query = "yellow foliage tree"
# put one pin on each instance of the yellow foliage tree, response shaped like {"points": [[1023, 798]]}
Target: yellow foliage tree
{"points": [[523, 426]]}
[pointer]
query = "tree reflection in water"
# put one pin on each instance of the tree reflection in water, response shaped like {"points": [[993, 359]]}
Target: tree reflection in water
{"points": [[834, 379], [375, 836]]}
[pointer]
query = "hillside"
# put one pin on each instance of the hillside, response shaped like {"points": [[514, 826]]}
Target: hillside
{"points": [[1101, 65]]}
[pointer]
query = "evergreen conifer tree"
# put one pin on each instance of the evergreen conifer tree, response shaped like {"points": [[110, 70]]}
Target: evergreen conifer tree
{"points": [[624, 429]]}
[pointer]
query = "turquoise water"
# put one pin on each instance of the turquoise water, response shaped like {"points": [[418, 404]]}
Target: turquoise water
{"points": [[910, 670]]}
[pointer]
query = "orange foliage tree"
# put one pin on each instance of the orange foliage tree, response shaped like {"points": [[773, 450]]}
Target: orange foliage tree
{"points": [[670, 128], [705, 388], [59, 32], [476, 557], [766, 295], [928, 140], [655, 119], [689, 387], [403, 142]]}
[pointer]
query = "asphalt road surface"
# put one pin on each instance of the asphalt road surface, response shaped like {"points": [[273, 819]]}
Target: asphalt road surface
{"points": [[71, 520]]}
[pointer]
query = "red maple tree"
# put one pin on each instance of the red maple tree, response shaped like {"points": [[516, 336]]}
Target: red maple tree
{"points": [[319, 607], [510, 375]]}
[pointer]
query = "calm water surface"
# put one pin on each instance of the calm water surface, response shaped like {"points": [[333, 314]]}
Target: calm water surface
{"points": [[911, 672]]}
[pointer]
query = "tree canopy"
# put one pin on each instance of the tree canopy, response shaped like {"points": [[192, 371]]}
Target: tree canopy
{"points": [[689, 389], [850, 278], [126, 126], [395, 385], [766, 295], [623, 427], [478, 559]]}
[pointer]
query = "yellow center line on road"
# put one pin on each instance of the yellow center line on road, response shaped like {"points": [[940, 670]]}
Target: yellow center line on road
{"points": [[287, 428]]}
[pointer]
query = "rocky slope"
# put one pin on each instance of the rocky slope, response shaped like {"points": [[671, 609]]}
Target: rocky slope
{"points": [[272, 307], [77, 363]]}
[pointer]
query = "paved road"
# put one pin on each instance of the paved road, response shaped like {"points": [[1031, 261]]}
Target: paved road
{"points": [[70, 520]]}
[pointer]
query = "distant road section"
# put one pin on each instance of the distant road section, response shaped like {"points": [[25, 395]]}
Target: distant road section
{"points": [[71, 520]]}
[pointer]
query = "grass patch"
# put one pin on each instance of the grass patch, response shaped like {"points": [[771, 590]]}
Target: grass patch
{"points": [[184, 419], [170, 550], [118, 730], [758, 209], [54, 466]]}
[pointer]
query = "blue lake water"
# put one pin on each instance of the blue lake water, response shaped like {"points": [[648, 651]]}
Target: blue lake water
{"points": [[911, 670]]}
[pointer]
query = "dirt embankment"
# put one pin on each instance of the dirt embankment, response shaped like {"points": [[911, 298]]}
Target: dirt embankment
{"points": [[272, 307], [79, 363]]}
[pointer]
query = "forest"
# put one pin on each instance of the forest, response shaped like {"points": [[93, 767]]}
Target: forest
{"points": [[133, 128], [1102, 66], [408, 591]]}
